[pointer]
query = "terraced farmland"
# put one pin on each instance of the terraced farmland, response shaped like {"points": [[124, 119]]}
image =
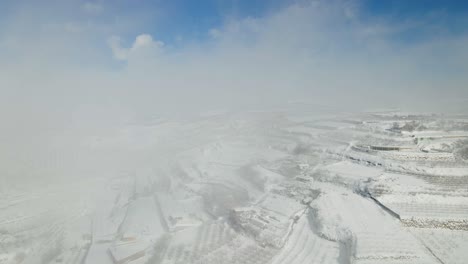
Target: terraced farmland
{"points": [[262, 188]]}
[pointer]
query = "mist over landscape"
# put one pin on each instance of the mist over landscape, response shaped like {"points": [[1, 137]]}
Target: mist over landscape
{"points": [[233, 131]]}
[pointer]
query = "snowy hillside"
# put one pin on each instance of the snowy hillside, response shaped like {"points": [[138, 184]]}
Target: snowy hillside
{"points": [[273, 188]]}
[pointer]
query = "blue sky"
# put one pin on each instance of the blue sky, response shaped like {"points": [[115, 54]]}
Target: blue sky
{"points": [[450, 16], [194, 18], [180, 21], [249, 51], [191, 20], [415, 7]]}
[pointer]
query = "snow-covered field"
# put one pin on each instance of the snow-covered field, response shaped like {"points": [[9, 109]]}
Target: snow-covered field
{"points": [[278, 188]]}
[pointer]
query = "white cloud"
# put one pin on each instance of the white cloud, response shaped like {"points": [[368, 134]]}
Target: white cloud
{"points": [[325, 51], [118, 51], [143, 43]]}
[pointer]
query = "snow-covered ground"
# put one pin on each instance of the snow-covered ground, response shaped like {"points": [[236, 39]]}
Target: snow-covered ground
{"points": [[276, 188]]}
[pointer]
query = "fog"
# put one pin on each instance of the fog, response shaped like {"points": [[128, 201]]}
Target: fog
{"points": [[99, 89], [65, 54]]}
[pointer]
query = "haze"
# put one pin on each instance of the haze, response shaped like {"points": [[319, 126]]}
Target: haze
{"points": [[115, 114]]}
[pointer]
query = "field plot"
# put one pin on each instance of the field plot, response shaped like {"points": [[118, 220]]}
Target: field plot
{"points": [[424, 201], [363, 234], [305, 246], [449, 246], [351, 173]]}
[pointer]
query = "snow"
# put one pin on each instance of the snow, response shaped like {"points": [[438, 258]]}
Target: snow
{"points": [[353, 171], [448, 245], [305, 246], [260, 188], [142, 219], [374, 235]]}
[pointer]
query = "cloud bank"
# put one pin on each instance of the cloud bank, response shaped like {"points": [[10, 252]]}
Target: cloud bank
{"points": [[323, 51], [63, 70]]}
